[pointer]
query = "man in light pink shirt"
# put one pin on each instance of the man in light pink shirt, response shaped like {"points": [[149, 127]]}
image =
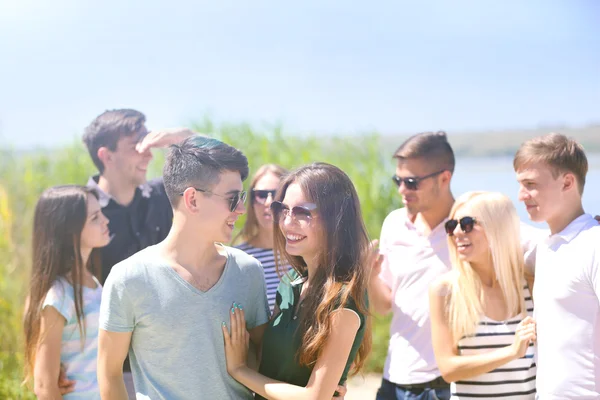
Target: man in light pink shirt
{"points": [[415, 252]]}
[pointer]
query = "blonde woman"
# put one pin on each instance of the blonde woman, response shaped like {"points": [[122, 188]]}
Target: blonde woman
{"points": [[482, 329], [257, 233]]}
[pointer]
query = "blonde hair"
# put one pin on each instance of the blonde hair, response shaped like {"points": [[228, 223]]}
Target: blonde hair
{"points": [[560, 153], [496, 214]]}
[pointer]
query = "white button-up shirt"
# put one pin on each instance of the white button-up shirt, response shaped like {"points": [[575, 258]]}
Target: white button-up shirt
{"points": [[567, 311], [412, 260]]}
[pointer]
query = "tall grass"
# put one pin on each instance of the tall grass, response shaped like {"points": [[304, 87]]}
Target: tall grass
{"points": [[24, 176]]}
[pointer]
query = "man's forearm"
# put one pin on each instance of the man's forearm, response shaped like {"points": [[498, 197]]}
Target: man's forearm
{"points": [[380, 296]]}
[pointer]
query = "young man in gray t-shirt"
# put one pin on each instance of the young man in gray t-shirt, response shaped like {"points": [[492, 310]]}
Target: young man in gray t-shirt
{"points": [[165, 305]]}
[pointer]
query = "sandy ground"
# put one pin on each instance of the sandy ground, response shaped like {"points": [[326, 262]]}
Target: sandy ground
{"points": [[363, 387]]}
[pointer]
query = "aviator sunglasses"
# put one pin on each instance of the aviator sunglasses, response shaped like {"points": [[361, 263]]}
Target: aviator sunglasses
{"points": [[261, 196], [412, 183], [234, 200], [298, 213], [466, 224]]}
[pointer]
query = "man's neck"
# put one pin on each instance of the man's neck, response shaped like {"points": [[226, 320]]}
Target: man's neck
{"points": [[563, 219], [183, 246], [120, 191], [431, 218]]}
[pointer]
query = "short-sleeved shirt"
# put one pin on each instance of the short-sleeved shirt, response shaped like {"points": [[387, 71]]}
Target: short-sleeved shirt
{"points": [[283, 338], [412, 260], [267, 259], [566, 295], [79, 362], [144, 222], [176, 349]]}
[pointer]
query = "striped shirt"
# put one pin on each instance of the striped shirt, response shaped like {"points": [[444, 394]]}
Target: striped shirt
{"points": [[514, 380], [80, 363], [267, 259]]}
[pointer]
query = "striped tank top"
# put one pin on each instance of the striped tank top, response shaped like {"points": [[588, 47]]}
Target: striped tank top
{"points": [[514, 380], [267, 259]]}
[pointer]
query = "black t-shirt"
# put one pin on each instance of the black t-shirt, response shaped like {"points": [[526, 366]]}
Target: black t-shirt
{"points": [[144, 222]]}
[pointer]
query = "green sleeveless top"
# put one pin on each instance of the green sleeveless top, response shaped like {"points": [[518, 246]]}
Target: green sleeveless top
{"points": [[282, 338]]}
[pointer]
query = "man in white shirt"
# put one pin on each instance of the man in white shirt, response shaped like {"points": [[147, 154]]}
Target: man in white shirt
{"points": [[414, 253], [551, 172]]}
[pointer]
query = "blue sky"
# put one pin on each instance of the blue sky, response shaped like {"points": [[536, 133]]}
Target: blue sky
{"points": [[316, 66]]}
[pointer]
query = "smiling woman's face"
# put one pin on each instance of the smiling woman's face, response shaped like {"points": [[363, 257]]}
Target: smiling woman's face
{"points": [[472, 247], [301, 234]]}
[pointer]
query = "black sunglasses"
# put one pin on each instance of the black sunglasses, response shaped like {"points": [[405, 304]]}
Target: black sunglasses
{"points": [[412, 183], [466, 224], [234, 200], [299, 213], [261, 195]]}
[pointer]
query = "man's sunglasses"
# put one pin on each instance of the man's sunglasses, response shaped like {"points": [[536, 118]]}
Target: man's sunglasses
{"points": [[261, 196], [298, 213], [234, 200], [466, 224], [412, 183]]}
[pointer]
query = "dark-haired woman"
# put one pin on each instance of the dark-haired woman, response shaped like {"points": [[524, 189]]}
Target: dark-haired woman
{"points": [[320, 329], [257, 233], [61, 316]]}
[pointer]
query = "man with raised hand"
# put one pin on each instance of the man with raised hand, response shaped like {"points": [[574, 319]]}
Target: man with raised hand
{"points": [[413, 253]]}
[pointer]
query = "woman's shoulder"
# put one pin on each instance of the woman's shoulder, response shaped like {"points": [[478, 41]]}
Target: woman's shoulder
{"points": [[442, 285]]}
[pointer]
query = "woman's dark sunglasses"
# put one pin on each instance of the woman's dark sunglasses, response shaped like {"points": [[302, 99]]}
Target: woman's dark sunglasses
{"points": [[261, 196], [412, 183], [466, 224], [234, 200], [299, 213]]}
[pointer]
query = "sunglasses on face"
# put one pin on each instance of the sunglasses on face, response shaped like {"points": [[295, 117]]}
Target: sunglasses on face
{"points": [[261, 196], [412, 183], [300, 214], [234, 200], [466, 224]]}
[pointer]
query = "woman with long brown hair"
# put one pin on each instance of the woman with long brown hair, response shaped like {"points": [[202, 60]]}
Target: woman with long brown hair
{"points": [[61, 316], [321, 328], [257, 233]]}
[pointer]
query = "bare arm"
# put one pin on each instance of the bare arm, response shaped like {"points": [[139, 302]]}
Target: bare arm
{"points": [[455, 367], [530, 281], [112, 350], [380, 295], [47, 361], [326, 374]]}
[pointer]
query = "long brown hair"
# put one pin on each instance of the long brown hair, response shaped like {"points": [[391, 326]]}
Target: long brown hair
{"points": [[341, 274], [60, 215], [250, 229]]}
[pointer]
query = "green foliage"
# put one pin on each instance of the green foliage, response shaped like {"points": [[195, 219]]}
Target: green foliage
{"points": [[24, 176]]}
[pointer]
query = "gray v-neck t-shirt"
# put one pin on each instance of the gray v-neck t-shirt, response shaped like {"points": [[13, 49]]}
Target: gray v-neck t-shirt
{"points": [[176, 349]]}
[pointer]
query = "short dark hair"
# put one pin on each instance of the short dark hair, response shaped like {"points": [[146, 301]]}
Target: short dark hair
{"points": [[432, 146], [198, 161], [108, 128]]}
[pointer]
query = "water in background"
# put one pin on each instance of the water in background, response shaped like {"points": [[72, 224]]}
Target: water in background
{"points": [[496, 174]]}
